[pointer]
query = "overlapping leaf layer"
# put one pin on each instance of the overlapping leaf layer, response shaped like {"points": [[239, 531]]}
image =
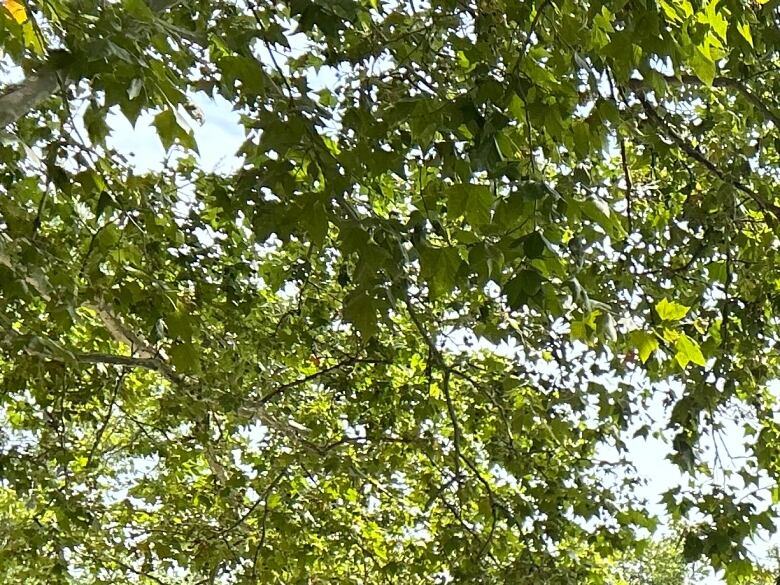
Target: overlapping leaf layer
{"points": [[468, 246]]}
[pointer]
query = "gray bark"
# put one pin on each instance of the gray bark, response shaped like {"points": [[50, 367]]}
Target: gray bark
{"points": [[19, 99]]}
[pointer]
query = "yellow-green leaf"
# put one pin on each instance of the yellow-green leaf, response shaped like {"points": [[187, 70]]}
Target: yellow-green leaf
{"points": [[646, 343], [688, 351], [670, 311], [744, 30], [703, 65]]}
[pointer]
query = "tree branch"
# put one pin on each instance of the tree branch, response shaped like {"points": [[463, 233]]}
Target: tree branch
{"points": [[349, 361], [27, 95], [640, 85], [138, 346], [146, 363], [106, 420], [629, 185], [699, 157]]}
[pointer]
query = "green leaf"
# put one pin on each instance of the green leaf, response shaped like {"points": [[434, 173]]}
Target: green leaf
{"points": [[646, 343], [169, 130], [32, 38], [670, 311], [134, 90], [693, 548], [703, 65], [579, 330], [139, 9], [439, 269], [688, 351], [96, 124], [185, 357], [581, 132], [473, 202], [360, 310], [486, 261], [244, 70], [596, 209], [744, 30], [105, 202], [180, 325], [534, 245], [315, 219], [526, 285]]}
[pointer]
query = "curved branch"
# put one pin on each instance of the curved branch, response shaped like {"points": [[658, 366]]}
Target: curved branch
{"points": [[138, 346], [27, 95], [152, 364], [694, 153], [720, 82]]}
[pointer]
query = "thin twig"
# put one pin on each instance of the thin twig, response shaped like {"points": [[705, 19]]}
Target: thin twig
{"points": [[286, 386], [529, 34], [106, 419], [719, 82], [261, 500], [453, 420], [629, 185]]}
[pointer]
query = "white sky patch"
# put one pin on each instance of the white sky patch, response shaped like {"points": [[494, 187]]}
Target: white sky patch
{"points": [[218, 138]]}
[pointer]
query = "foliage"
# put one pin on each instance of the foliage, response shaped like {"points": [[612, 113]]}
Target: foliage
{"points": [[661, 563], [257, 377]]}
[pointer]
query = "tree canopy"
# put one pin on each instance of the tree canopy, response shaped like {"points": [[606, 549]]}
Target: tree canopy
{"points": [[408, 338], [662, 562]]}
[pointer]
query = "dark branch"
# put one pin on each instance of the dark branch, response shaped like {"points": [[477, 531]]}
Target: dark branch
{"points": [[640, 85], [699, 157]]}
